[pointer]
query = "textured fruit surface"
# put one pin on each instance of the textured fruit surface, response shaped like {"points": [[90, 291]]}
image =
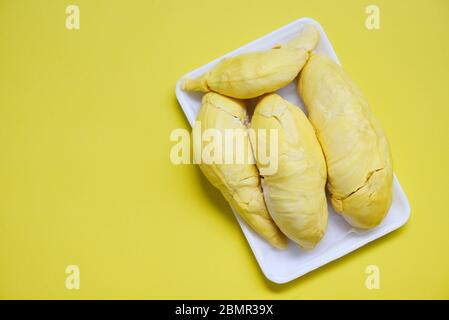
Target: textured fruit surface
{"points": [[357, 152], [250, 75], [295, 193], [239, 183]]}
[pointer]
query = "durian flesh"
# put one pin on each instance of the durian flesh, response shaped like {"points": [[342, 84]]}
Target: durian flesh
{"points": [[357, 152], [295, 193], [238, 182], [250, 75]]}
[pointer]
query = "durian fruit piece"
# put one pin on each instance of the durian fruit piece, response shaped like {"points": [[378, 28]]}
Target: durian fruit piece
{"points": [[295, 192], [238, 180], [250, 75], [359, 163]]}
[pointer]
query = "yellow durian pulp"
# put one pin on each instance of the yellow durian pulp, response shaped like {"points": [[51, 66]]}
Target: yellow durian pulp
{"points": [[295, 192], [238, 182], [359, 163], [250, 75]]}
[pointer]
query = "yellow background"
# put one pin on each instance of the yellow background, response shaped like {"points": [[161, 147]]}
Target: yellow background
{"points": [[85, 175]]}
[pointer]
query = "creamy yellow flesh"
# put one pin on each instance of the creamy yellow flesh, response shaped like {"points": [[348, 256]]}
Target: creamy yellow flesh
{"points": [[239, 183], [295, 193], [357, 152], [252, 74]]}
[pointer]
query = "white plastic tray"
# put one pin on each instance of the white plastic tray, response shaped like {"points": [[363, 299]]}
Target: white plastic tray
{"points": [[281, 266]]}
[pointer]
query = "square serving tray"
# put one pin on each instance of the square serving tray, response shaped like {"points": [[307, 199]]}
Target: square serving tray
{"points": [[281, 266]]}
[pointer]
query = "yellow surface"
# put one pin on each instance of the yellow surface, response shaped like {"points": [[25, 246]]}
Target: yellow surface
{"points": [[85, 176]]}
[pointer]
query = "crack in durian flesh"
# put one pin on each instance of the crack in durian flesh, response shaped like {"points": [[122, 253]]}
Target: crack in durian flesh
{"points": [[368, 177]]}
